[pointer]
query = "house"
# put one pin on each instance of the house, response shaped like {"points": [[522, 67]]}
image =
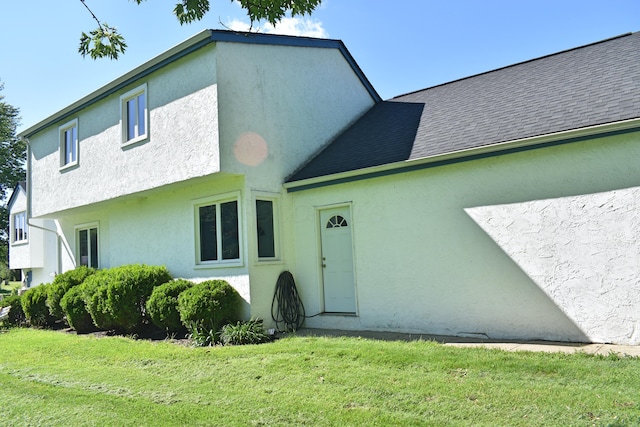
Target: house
{"points": [[503, 205], [30, 241]]}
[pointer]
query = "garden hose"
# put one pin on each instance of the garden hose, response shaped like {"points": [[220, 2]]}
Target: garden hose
{"points": [[286, 307]]}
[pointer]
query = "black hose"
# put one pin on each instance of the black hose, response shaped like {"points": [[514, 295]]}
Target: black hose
{"points": [[286, 307]]}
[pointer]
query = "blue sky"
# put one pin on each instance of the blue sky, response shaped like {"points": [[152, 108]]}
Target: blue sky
{"points": [[401, 45]]}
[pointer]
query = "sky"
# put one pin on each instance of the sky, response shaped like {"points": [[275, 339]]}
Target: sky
{"points": [[400, 45]]}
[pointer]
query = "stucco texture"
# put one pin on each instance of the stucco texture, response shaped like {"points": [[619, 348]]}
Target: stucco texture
{"points": [[469, 249]]}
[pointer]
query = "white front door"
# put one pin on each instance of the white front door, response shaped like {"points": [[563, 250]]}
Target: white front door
{"points": [[337, 260]]}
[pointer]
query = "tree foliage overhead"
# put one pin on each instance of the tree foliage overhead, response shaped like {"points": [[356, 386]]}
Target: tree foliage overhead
{"points": [[106, 42], [13, 153]]}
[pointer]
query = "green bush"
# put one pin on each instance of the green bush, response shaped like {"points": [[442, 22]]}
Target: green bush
{"points": [[208, 305], [61, 284], [16, 315], [94, 294], [74, 307], [250, 332], [129, 289], [34, 305], [162, 306]]}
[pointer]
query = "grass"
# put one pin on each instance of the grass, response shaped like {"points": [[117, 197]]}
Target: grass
{"points": [[52, 378], [6, 289]]}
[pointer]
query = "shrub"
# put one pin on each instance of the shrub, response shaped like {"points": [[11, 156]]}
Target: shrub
{"points": [[208, 305], [16, 315], [129, 288], [250, 332], [61, 284], [74, 307], [162, 306], [94, 294], [34, 305]]}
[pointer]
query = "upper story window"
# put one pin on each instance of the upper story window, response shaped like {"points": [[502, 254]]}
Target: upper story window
{"points": [[19, 227], [218, 231], [69, 144], [134, 115]]}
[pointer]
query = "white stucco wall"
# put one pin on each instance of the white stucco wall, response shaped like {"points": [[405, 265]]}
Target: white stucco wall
{"points": [[279, 105], [183, 142], [468, 250]]}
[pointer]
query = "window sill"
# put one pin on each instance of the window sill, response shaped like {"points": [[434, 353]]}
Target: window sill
{"points": [[266, 262], [218, 265], [20, 243], [68, 166], [135, 141]]}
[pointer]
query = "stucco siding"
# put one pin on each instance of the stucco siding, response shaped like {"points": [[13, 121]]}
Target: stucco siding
{"points": [[279, 105], [469, 249], [158, 228], [182, 143]]}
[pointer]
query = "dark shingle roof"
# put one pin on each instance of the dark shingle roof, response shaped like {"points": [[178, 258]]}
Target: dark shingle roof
{"points": [[586, 86]]}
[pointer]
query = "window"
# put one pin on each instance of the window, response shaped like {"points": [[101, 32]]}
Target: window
{"points": [[218, 231], [87, 245], [266, 229], [69, 144], [19, 231], [134, 115]]}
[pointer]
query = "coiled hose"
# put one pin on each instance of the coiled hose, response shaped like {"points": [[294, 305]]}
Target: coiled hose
{"points": [[287, 309]]}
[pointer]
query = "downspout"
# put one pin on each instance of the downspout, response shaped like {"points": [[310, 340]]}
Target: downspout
{"points": [[29, 223]]}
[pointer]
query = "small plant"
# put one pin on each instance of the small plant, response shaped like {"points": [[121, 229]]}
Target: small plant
{"points": [[34, 305], [162, 305], [208, 305], [201, 336], [249, 332]]}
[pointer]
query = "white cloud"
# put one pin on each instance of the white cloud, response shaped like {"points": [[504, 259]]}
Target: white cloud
{"points": [[295, 26]]}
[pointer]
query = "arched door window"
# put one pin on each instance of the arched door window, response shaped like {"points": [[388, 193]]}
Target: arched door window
{"points": [[337, 221]]}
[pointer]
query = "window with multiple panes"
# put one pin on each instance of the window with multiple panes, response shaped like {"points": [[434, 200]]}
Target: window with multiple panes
{"points": [[19, 227], [135, 115], [266, 229], [218, 231], [69, 144], [87, 245]]}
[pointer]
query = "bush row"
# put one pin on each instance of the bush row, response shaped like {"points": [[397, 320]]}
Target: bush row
{"points": [[128, 298]]}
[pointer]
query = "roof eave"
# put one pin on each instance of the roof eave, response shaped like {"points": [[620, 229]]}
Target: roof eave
{"points": [[507, 147], [188, 46]]}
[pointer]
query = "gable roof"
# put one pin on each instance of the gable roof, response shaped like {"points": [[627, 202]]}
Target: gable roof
{"points": [[20, 186], [579, 88], [190, 45]]}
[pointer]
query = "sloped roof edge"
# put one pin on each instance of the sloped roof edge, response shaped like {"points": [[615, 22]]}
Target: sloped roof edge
{"points": [[188, 46], [510, 147], [20, 186]]}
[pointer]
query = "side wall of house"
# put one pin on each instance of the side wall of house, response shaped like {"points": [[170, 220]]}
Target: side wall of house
{"points": [[278, 106], [33, 256], [542, 244], [182, 142]]}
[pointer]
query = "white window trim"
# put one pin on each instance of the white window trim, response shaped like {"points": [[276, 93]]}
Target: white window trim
{"points": [[207, 201], [76, 233], [275, 199], [12, 229], [61, 144], [124, 120]]}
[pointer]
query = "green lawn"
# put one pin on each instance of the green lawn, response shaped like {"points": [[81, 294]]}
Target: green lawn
{"points": [[57, 379], [10, 286]]}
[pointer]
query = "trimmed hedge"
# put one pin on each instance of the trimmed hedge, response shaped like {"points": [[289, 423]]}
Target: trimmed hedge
{"points": [[162, 306], [95, 299], [116, 298], [208, 305], [34, 305], [61, 284], [74, 307]]}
